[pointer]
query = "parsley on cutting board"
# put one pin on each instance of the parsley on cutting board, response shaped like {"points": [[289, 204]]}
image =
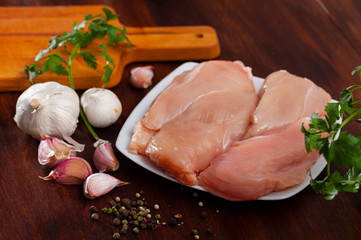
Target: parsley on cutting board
{"points": [[338, 147], [79, 38]]}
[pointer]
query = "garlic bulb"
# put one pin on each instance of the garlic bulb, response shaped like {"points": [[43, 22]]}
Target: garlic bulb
{"points": [[101, 106], [48, 109]]}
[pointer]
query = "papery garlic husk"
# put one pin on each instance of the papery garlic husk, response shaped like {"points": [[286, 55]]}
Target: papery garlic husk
{"points": [[104, 158], [48, 109], [141, 77], [72, 171], [52, 151], [101, 106], [98, 184]]}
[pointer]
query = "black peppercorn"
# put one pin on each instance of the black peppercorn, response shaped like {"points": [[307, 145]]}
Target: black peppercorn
{"points": [[93, 209], [173, 222], [143, 225], [150, 225], [124, 212], [126, 201], [116, 221]]}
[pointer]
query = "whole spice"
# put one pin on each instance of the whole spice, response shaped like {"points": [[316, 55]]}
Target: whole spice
{"points": [[141, 77], [73, 170], [116, 221], [135, 219], [101, 106], [173, 222], [52, 151], [104, 158], [99, 184], [116, 236], [93, 209], [136, 230], [95, 216], [48, 109]]}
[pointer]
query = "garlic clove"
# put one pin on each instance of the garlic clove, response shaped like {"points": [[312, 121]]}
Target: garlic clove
{"points": [[141, 77], [99, 184], [52, 151], [104, 158], [72, 171], [101, 107]]}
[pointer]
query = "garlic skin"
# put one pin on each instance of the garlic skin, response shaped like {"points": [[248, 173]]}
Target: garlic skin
{"points": [[101, 106], [47, 109], [98, 184], [71, 171], [104, 158], [52, 151], [141, 77]]}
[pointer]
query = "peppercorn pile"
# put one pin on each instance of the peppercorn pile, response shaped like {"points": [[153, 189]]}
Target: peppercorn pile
{"points": [[130, 215], [136, 214]]}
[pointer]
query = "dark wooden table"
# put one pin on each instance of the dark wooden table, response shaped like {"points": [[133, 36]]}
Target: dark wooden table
{"points": [[317, 39]]}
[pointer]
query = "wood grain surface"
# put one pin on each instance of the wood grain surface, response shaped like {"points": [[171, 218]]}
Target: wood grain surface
{"points": [[25, 34], [317, 39]]}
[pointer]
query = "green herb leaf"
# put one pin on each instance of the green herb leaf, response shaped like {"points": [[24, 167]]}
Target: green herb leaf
{"points": [[54, 64], [90, 59], [108, 69], [338, 147], [109, 14], [72, 44], [32, 72]]}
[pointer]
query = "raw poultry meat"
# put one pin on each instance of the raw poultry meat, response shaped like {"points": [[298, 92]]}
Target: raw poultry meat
{"points": [[183, 91], [284, 99], [140, 139], [209, 127], [252, 168], [187, 144]]}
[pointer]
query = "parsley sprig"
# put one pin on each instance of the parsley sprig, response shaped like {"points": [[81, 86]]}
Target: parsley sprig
{"points": [[73, 45], [338, 147], [80, 37]]}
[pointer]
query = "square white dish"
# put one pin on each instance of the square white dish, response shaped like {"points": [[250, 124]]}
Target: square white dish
{"points": [[126, 133]]}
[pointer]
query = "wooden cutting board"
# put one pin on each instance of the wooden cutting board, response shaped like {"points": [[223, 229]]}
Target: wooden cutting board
{"points": [[24, 31]]}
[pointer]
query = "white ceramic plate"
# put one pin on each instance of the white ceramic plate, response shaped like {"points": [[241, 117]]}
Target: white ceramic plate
{"points": [[126, 133]]}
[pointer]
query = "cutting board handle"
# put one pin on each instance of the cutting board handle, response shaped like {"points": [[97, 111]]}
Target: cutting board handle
{"points": [[27, 33], [172, 43]]}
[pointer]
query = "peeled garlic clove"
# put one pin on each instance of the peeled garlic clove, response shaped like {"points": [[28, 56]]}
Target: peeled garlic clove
{"points": [[53, 150], [48, 109], [141, 77], [73, 170], [104, 158], [101, 106], [99, 184]]}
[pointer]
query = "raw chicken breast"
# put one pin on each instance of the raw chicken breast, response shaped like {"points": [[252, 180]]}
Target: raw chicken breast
{"points": [[140, 139], [284, 99], [185, 88], [186, 145], [254, 167]]}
